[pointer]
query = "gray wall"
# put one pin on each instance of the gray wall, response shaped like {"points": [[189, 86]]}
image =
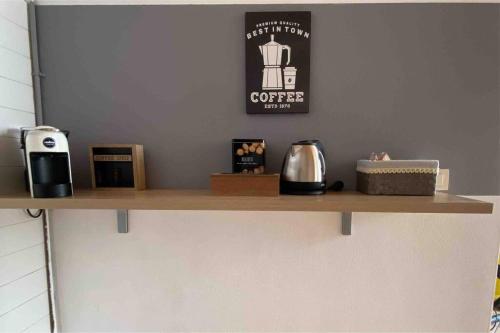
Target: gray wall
{"points": [[417, 81]]}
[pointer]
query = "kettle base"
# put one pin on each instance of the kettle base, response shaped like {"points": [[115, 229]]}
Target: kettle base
{"points": [[302, 188]]}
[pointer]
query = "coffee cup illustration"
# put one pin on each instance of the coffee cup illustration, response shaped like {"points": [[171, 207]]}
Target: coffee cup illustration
{"points": [[289, 75]]}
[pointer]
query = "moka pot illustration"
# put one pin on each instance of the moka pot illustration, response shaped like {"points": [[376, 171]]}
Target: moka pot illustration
{"points": [[272, 53]]}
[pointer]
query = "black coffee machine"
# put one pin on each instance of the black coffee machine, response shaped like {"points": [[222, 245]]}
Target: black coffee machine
{"points": [[48, 167]]}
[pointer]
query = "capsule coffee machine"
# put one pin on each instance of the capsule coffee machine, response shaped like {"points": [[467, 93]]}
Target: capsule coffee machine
{"points": [[48, 167]]}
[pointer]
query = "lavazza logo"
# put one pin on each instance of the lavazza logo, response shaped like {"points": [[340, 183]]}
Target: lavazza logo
{"points": [[279, 49], [49, 142]]}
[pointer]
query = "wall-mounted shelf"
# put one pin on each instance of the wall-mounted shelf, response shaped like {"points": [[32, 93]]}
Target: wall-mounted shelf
{"points": [[204, 200], [343, 202]]}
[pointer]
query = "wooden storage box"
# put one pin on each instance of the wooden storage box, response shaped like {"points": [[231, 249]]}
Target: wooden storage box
{"points": [[245, 184], [117, 166]]}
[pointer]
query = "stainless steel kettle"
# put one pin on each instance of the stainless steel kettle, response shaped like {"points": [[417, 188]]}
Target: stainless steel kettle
{"points": [[303, 170]]}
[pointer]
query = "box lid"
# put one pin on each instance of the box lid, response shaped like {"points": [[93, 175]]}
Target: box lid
{"points": [[398, 166]]}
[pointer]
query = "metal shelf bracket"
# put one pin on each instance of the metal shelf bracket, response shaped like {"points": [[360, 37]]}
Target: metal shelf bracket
{"points": [[346, 223], [122, 220]]}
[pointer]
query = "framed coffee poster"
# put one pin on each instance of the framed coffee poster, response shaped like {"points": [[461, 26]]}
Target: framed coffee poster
{"points": [[278, 46]]}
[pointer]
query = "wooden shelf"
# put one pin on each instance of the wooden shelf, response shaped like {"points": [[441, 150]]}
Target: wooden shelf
{"points": [[204, 200]]}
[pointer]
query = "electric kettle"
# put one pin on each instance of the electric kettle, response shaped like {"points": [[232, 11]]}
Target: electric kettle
{"points": [[303, 170]]}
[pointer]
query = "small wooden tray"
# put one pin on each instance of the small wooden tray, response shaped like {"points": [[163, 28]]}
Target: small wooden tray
{"points": [[245, 184]]}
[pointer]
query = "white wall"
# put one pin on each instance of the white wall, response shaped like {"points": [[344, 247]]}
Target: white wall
{"points": [[23, 280], [16, 91], [274, 271]]}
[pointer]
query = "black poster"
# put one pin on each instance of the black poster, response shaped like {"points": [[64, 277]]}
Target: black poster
{"points": [[277, 53]]}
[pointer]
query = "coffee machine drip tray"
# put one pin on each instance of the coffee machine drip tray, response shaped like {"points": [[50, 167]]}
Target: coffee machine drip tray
{"points": [[50, 175]]}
